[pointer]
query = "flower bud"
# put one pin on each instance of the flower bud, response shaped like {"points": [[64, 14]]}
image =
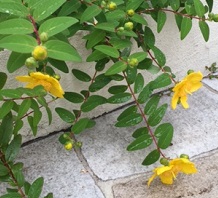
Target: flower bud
{"points": [[184, 156], [128, 26], [112, 6], [31, 62], [133, 62], [68, 146], [164, 161], [57, 76], [211, 15], [215, 17], [130, 12], [43, 36], [79, 144], [39, 53], [190, 71]]}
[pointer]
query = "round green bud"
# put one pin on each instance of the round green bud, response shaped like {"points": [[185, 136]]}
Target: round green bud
{"points": [[103, 4], [133, 62], [190, 71], [164, 161], [40, 53], [128, 26], [31, 62], [57, 76], [112, 6], [185, 156], [120, 29], [43, 37], [211, 15], [79, 144], [130, 12], [215, 17]]}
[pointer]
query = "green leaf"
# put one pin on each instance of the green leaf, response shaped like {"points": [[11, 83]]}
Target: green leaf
{"points": [[199, 8], [13, 148], [17, 126], [13, 8], [139, 83], [49, 115], [60, 65], [161, 19], [164, 133], [94, 38], [36, 188], [65, 115], [92, 102], [131, 73], [162, 80], [120, 43], [11, 93], [116, 68], [99, 84], [108, 50], [149, 37], [3, 170], [175, 4], [119, 98], [210, 4], [115, 16], [6, 129], [6, 108], [155, 118], [81, 75], [151, 158], [107, 26], [140, 131], [117, 89], [49, 195], [140, 56], [16, 61], [127, 33], [205, 30], [33, 128], [139, 19], [56, 25], [127, 112], [16, 26], [19, 43], [95, 56], [11, 195], [186, 26], [80, 125], [130, 120], [144, 94], [151, 105], [44, 9], [24, 107], [61, 51], [69, 7], [90, 12], [73, 97], [139, 143], [159, 55], [132, 4], [3, 79]]}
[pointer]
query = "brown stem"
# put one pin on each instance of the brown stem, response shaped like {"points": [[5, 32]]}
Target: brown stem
{"points": [[2, 158], [35, 29], [144, 117]]}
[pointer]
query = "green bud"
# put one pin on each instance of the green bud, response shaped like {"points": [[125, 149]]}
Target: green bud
{"points": [[128, 26], [57, 76], [184, 156], [190, 71], [164, 161], [112, 6], [31, 63], [103, 4], [130, 12], [79, 144], [43, 36], [133, 62], [215, 17], [211, 15]]}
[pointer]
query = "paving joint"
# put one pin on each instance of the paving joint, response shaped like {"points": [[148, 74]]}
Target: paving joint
{"points": [[210, 88]]}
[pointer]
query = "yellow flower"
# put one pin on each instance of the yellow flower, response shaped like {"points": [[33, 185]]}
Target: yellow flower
{"points": [[183, 165], [68, 146], [166, 174], [39, 53], [49, 83], [188, 85]]}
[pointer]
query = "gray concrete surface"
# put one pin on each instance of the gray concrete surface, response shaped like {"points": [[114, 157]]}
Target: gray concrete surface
{"points": [[104, 169]]}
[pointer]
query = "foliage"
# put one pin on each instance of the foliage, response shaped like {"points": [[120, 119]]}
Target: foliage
{"points": [[37, 32]]}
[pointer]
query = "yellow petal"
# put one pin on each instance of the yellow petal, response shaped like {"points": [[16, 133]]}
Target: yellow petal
{"points": [[167, 178], [24, 78], [174, 101], [151, 179], [183, 101]]}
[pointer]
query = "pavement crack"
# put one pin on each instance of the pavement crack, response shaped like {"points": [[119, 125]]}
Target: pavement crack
{"points": [[210, 88]]}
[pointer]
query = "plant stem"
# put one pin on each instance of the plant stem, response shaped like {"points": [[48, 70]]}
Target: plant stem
{"points": [[144, 118], [2, 158], [35, 29]]}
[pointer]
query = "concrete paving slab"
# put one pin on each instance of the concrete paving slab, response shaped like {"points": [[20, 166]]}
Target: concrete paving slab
{"points": [[195, 132], [63, 173], [204, 184]]}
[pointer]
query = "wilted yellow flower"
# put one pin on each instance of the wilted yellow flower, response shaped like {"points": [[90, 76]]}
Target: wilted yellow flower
{"points": [[49, 83], [183, 165], [168, 173], [188, 85]]}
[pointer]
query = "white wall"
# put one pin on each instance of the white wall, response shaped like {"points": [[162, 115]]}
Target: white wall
{"points": [[191, 53]]}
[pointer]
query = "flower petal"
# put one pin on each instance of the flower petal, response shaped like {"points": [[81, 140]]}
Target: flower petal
{"points": [[183, 101]]}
